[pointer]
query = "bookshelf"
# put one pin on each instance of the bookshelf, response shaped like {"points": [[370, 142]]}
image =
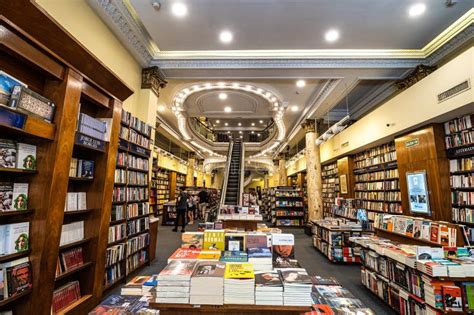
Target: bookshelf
{"points": [[377, 181], [160, 188], [39, 53], [128, 239], [287, 206], [330, 179], [459, 140]]}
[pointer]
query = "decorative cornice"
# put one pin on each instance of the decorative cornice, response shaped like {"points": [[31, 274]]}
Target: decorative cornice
{"points": [[309, 125], [420, 72], [153, 79]]}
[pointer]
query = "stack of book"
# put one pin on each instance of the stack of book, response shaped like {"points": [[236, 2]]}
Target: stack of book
{"points": [[134, 286], [184, 254], [207, 283], [338, 298], [261, 258], [149, 285], [92, 127], [268, 288], [239, 284], [234, 256], [174, 282], [297, 284]]}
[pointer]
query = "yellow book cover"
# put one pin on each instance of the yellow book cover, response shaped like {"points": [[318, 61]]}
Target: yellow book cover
{"points": [[209, 255], [214, 239], [239, 271]]}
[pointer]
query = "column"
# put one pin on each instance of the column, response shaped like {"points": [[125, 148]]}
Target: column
{"points": [[190, 170], [313, 171], [200, 175], [265, 181], [282, 178]]}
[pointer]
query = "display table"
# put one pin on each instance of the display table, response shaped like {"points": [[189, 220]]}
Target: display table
{"points": [[232, 309], [247, 225]]}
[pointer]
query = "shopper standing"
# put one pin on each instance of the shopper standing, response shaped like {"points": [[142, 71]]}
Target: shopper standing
{"points": [[203, 202], [191, 208], [181, 207]]}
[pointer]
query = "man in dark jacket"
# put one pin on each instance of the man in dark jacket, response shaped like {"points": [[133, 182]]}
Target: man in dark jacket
{"points": [[181, 207]]}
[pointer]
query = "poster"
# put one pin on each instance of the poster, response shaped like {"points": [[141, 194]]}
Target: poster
{"points": [[343, 184], [418, 192]]}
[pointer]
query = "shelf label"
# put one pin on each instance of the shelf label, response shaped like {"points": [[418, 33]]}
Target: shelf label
{"points": [[90, 142], [412, 142], [139, 150], [457, 152]]}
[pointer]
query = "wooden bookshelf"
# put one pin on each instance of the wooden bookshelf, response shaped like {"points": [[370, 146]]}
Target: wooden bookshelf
{"points": [[287, 207], [330, 179], [37, 51], [130, 202]]}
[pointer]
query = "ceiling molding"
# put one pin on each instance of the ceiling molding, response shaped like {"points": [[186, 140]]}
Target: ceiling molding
{"points": [[373, 98]]}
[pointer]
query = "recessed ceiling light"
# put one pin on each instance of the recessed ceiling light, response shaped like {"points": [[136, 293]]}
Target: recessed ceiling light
{"points": [[241, 137], [240, 131], [226, 37], [417, 9], [261, 121], [218, 121], [253, 124], [252, 132], [227, 109], [300, 84], [228, 131], [222, 96], [294, 108], [332, 35], [179, 9], [226, 124], [258, 135], [161, 108], [240, 124]]}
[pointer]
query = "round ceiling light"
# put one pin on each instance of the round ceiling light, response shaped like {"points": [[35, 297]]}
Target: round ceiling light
{"points": [[161, 108], [239, 124], [332, 35], [253, 124], [179, 9], [261, 121], [218, 121], [301, 83], [294, 108], [240, 131], [222, 96], [226, 36], [226, 124], [417, 9], [227, 109]]}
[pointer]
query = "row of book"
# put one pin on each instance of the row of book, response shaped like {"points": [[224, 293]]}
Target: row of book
{"points": [[72, 232], [13, 196], [136, 243], [137, 209], [81, 168], [135, 123], [463, 197], [17, 155], [382, 206], [65, 296], [373, 152], [14, 238], [459, 139], [69, 260], [75, 201], [291, 193], [462, 181], [418, 228], [378, 159], [93, 127], [130, 177], [382, 196], [461, 215], [329, 170], [377, 176], [289, 213], [114, 254], [132, 161], [458, 124], [139, 139], [136, 260], [132, 194], [138, 225], [461, 165], [383, 185], [120, 176], [287, 203], [117, 213], [117, 232]]}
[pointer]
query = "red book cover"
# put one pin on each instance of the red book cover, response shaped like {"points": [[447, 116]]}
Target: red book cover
{"points": [[434, 232], [321, 309], [444, 235], [452, 298], [184, 254]]}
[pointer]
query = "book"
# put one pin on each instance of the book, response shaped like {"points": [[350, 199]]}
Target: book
{"points": [[17, 276], [7, 83], [26, 100], [207, 283], [65, 295], [15, 237], [234, 242], [443, 235], [209, 255], [426, 230], [134, 286], [192, 240], [7, 153], [434, 232], [283, 246], [256, 241], [177, 270], [268, 279], [26, 156], [239, 271], [184, 254], [234, 256], [452, 298], [85, 169], [13, 197], [214, 239], [71, 259]]}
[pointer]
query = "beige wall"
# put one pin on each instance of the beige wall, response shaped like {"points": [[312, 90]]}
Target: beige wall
{"points": [[296, 167], [412, 107], [253, 184], [82, 23]]}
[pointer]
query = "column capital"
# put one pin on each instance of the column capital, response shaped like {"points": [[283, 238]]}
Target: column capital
{"points": [[309, 125], [153, 78], [281, 156], [191, 155]]}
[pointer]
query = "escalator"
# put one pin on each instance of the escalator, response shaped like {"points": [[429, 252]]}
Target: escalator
{"points": [[234, 174]]}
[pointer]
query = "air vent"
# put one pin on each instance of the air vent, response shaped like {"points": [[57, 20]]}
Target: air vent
{"points": [[455, 90]]}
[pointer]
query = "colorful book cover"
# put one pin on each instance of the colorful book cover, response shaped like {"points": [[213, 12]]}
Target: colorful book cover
{"points": [[20, 196], [185, 254], [234, 256], [214, 239], [426, 230], [87, 168], [259, 252], [234, 242], [192, 240], [6, 197], [209, 269], [209, 255], [256, 241], [295, 276], [409, 228], [444, 235], [178, 267], [283, 246], [7, 83], [268, 279], [434, 232], [18, 276], [469, 295], [16, 237], [452, 298], [417, 228], [239, 271], [26, 156], [7, 153], [450, 252]]}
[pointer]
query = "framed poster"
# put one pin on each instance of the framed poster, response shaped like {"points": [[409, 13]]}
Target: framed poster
{"points": [[418, 198], [343, 184]]}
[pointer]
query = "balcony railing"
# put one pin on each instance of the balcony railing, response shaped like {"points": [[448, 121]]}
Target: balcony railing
{"points": [[223, 136]]}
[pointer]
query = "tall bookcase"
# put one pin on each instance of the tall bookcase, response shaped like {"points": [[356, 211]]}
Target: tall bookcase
{"points": [[329, 175], [459, 139], [129, 237], [377, 181], [36, 51], [287, 204]]}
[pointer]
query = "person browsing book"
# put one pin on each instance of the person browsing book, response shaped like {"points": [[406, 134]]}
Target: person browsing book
{"points": [[181, 208]]}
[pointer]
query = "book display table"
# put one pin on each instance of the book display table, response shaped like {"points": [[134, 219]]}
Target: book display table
{"points": [[247, 225], [231, 309]]}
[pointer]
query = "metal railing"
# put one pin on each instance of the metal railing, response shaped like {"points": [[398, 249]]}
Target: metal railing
{"points": [[226, 173], [241, 174]]}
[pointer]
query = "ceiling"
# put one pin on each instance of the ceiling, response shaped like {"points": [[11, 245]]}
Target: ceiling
{"points": [[277, 42], [295, 24]]}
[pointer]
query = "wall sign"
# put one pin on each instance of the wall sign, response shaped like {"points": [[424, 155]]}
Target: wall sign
{"points": [[418, 198], [412, 142]]}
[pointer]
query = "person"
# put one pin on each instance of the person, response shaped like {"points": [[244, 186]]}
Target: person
{"points": [[181, 207], [191, 208], [203, 203]]}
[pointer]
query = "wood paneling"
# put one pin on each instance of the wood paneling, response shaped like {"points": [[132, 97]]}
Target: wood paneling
{"points": [[428, 154], [345, 166]]}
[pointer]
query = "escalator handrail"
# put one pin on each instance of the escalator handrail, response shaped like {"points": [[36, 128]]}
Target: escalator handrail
{"points": [[241, 173], [226, 173]]}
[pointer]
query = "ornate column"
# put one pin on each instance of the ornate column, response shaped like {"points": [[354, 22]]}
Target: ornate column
{"points": [[282, 178], [190, 169], [200, 175], [265, 181], [313, 171]]}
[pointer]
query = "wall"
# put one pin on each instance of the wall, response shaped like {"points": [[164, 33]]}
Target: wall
{"points": [[297, 166], [171, 164], [253, 185], [412, 107], [81, 22]]}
